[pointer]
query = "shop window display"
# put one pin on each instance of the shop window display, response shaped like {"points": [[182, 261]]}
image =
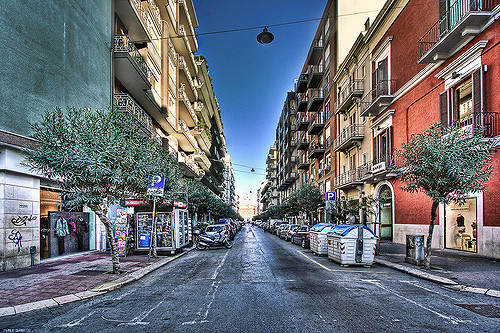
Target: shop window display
{"points": [[461, 226]]}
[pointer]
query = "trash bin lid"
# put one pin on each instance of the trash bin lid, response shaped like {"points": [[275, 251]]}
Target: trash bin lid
{"points": [[320, 226], [344, 229]]}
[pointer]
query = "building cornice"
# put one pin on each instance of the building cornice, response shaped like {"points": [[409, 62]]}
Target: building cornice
{"points": [[471, 54]]}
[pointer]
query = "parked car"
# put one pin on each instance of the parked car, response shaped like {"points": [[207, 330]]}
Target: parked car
{"points": [[286, 234], [300, 236], [280, 227]]}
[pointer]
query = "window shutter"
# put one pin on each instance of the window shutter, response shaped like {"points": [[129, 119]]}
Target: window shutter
{"points": [[383, 77], [477, 91], [443, 108], [374, 84]]}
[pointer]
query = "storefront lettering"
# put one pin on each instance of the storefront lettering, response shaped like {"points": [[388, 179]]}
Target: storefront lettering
{"points": [[22, 220], [16, 237]]}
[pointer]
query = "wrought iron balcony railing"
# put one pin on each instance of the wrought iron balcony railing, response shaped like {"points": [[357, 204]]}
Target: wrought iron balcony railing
{"points": [[123, 43]]}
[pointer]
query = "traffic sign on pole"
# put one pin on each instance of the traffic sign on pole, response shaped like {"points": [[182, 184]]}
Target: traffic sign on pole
{"points": [[156, 186], [331, 196]]}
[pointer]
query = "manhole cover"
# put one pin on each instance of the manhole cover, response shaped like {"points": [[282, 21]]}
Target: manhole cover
{"points": [[88, 272], [486, 310]]}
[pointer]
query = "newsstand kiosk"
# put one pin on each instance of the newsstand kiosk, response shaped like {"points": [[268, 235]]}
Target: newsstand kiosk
{"points": [[172, 230]]}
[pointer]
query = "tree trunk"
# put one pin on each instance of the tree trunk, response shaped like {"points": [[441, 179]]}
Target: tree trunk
{"points": [[101, 212], [427, 258]]}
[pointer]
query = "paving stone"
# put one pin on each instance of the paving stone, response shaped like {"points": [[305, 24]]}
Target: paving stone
{"points": [[7, 311], [66, 299]]}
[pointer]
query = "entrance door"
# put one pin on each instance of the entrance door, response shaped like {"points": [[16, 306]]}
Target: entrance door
{"points": [[386, 213]]}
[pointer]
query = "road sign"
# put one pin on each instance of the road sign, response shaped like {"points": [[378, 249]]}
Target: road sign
{"points": [[331, 196], [156, 186], [179, 204]]}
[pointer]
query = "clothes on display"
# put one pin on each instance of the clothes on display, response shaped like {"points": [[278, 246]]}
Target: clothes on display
{"points": [[62, 229]]}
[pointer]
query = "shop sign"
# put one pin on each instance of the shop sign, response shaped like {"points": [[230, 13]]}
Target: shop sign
{"points": [[156, 186], [179, 204], [378, 167], [132, 202]]}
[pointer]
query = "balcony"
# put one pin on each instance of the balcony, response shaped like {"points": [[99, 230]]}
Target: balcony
{"points": [[316, 98], [293, 143], [303, 144], [202, 138], [315, 52], [186, 78], [183, 47], [303, 165], [186, 139], [198, 106], [349, 136], [378, 98], [490, 121], [315, 75], [315, 150], [301, 84], [143, 23], [189, 166], [186, 111], [293, 159], [380, 169], [130, 67], [302, 101], [202, 159], [462, 21], [125, 103], [290, 178], [348, 94], [347, 180], [317, 126], [186, 20], [303, 123]]}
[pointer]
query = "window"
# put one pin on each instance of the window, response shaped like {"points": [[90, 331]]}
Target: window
{"points": [[382, 147], [461, 105]]}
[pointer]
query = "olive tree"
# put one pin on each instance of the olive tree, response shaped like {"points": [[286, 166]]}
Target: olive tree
{"points": [[100, 158], [447, 164]]}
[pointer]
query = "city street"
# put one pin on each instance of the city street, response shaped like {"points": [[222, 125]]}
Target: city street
{"points": [[264, 284]]}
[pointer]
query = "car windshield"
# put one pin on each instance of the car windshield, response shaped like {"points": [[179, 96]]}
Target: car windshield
{"points": [[320, 227], [301, 229], [294, 227], [214, 228]]}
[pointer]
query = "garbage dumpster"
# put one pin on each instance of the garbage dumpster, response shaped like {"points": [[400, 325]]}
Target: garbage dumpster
{"points": [[352, 245], [415, 249], [317, 236]]}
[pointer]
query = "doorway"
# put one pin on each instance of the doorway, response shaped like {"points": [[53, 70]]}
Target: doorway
{"points": [[385, 216]]}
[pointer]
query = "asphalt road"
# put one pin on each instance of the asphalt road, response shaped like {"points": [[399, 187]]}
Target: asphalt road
{"points": [[264, 284]]}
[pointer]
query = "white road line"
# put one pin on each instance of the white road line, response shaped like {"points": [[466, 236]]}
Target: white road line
{"points": [[416, 284], [217, 270], [79, 321], [452, 319], [139, 319]]}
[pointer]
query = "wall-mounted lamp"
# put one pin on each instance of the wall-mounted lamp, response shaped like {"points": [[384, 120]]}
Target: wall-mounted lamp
{"points": [[455, 75]]}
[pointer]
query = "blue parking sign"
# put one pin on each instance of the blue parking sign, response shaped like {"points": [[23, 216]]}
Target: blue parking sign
{"points": [[331, 196], [156, 186]]}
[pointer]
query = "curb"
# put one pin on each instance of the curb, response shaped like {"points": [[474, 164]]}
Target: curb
{"points": [[449, 284], [99, 290]]}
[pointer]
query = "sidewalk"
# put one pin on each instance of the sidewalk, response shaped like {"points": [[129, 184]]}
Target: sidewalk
{"points": [[458, 270], [70, 278]]}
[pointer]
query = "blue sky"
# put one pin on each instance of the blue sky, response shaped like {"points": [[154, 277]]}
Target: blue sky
{"points": [[250, 79]]}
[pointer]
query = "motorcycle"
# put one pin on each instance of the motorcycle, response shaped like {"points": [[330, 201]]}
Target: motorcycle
{"points": [[203, 241]]}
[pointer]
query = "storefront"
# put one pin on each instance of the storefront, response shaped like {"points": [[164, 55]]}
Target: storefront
{"points": [[61, 233], [134, 222], [461, 225]]}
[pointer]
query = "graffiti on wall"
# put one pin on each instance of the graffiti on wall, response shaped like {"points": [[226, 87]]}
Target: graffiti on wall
{"points": [[21, 220], [16, 237]]}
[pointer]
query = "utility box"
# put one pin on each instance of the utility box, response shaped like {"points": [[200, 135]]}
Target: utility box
{"points": [[415, 250], [352, 245]]}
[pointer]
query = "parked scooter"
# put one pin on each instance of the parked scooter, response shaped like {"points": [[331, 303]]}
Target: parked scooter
{"points": [[213, 239]]}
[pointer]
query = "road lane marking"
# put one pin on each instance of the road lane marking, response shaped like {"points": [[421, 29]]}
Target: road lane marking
{"points": [[219, 267], [79, 321], [314, 261], [416, 284], [452, 319], [139, 319]]}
